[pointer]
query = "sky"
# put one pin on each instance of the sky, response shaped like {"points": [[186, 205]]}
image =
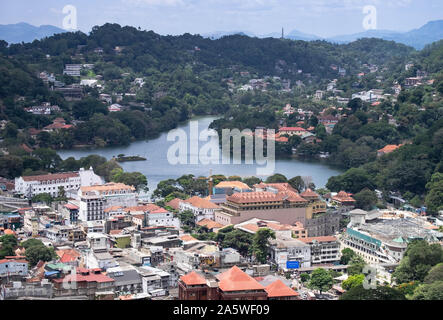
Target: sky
{"points": [[323, 18]]}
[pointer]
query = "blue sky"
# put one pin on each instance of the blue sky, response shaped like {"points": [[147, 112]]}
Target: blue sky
{"points": [[321, 17]]}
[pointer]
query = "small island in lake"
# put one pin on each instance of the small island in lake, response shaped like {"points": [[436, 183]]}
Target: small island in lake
{"points": [[123, 158]]}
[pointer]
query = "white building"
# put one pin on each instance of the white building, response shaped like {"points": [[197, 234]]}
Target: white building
{"points": [[155, 216], [287, 249], [93, 226], [100, 259], [13, 267], [58, 234], [31, 186], [202, 208], [73, 70], [98, 241], [95, 199]]}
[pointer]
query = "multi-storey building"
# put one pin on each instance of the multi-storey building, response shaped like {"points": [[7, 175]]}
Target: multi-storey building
{"points": [[73, 70], [286, 250], [285, 207], [152, 215], [95, 199], [202, 208], [324, 250], [386, 240], [91, 207], [30, 186], [85, 282], [278, 202], [291, 131], [233, 284]]}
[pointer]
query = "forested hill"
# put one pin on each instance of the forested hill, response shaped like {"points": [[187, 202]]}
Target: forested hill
{"points": [[269, 56]]}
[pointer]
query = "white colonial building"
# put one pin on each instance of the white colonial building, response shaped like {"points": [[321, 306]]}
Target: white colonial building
{"points": [[31, 186], [201, 208], [154, 215], [95, 199]]}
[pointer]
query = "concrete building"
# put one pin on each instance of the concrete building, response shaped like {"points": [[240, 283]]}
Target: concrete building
{"points": [[230, 187], [385, 240], [284, 230], [285, 249], [127, 280], [291, 131], [153, 216], [58, 233], [155, 279], [284, 207], [13, 267], [324, 250], [95, 199], [30, 186], [86, 282], [233, 284], [202, 208], [278, 202], [73, 70]]}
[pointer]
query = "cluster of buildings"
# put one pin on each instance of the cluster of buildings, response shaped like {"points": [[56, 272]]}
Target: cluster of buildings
{"points": [[382, 237], [110, 244], [44, 109], [74, 70]]}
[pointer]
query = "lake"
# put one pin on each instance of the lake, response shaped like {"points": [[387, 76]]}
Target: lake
{"points": [[157, 168]]}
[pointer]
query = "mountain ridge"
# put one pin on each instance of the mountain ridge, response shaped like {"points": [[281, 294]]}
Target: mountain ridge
{"points": [[25, 32], [418, 38]]}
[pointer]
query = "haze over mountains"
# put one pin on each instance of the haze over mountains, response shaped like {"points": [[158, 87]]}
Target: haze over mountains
{"points": [[24, 32], [417, 38]]}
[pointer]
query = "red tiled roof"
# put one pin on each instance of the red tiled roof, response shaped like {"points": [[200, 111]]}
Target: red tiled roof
{"points": [[284, 186], [111, 186], [259, 197], [343, 196], [149, 207], [68, 255], [291, 129], [389, 148], [201, 203], [71, 206], [12, 260], [159, 210], [193, 279], [279, 289], [52, 177], [101, 278], [187, 237], [174, 203], [236, 280], [209, 224], [9, 232], [113, 208], [233, 184], [309, 193]]}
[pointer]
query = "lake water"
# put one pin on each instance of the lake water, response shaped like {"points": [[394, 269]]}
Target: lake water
{"points": [[157, 167]]}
